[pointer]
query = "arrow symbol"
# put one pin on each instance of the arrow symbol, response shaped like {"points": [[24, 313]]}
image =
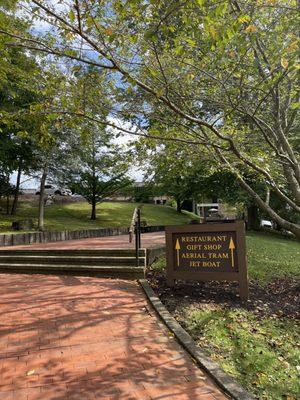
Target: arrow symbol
{"points": [[177, 248], [232, 247]]}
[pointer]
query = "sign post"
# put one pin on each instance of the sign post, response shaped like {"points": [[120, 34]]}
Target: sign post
{"points": [[207, 252]]}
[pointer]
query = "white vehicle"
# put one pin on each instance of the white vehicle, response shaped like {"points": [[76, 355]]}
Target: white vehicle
{"points": [[213, 210], [52, 190], [266, 224], [66, 192]]}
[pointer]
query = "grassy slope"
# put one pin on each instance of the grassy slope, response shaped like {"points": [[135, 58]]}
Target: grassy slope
{"points": [[259, 352], [76, 215], [271, 257]]}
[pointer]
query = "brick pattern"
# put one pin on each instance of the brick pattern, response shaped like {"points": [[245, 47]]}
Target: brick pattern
{"points": [[77, 338]]}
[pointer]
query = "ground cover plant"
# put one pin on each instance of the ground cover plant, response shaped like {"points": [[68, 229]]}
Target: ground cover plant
{"points": [[76, 215], [253, 341]]}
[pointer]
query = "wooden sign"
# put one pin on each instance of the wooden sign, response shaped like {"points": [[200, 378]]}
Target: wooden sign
{"points": [[207, 252]]}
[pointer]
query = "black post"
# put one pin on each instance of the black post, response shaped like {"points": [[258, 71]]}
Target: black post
{"points": [[136, 244], [137, 236], [139, 226]]}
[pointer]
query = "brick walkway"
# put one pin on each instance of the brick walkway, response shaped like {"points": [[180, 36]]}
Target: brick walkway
{"points": [[80, 338], [121, 242]]}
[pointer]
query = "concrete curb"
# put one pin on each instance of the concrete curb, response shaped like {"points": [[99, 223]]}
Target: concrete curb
{"points": [[223, 380]]}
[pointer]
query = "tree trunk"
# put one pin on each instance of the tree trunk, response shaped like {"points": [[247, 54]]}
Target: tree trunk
{"points": [[7, 196], [252, 220], [93, 214], [42, 200], [178, 205], [94, 188], [284, 224], [16, 196], [293, 184], [7, 204]]}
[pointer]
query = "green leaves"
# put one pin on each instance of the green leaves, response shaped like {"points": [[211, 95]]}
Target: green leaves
{"points": [[204, 60], [244, 19], [150, 34], [72, 15], [221, 9]]}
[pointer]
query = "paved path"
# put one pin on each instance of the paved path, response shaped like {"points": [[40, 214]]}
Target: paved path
{"points": [[80, 338], [121, 242]]}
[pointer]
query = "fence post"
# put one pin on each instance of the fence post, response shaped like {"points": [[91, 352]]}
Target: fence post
{"points": [[137, 236]]}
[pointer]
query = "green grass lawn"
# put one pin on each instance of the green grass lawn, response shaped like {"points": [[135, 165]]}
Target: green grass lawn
{"points": [[76, 215], [271, 257], [259, 350], [261, 353]]}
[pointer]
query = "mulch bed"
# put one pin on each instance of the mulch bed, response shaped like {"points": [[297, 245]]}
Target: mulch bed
{"points": [[278, 299]]}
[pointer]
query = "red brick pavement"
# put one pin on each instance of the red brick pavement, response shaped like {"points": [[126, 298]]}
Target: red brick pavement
{"points": [[111, 242], [83, 338]]}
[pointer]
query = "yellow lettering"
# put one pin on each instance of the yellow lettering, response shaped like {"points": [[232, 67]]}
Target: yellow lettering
{"points": [[218, 255], [194, 246], [195, 263], [194, 255], [209, 238], [213, 264], [212, 246]]}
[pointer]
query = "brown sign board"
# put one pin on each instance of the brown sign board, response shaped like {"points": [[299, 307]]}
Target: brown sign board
{"points": [[207, 252]]}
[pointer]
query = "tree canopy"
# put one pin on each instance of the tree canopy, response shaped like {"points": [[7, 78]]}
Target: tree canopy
{"points": [[219, 75]]}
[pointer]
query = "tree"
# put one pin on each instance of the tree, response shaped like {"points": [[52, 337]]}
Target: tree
{"points": [[238, 57], [24, 162], [93, 187], [143, 193], [225, 185], [100, 169], [175, 170], [56, 153], [18, 93], [6, 189]]}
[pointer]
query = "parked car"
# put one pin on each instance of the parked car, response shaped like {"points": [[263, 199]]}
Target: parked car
{"points": [[266, 224], [66, 192], [52, 189], [287, 233]]}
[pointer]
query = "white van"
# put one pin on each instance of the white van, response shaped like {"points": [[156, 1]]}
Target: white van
{"points": [[266, 224], [51, 189]]}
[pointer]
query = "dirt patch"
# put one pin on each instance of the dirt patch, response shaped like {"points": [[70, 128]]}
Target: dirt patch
{"points": [[280, 298]]}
